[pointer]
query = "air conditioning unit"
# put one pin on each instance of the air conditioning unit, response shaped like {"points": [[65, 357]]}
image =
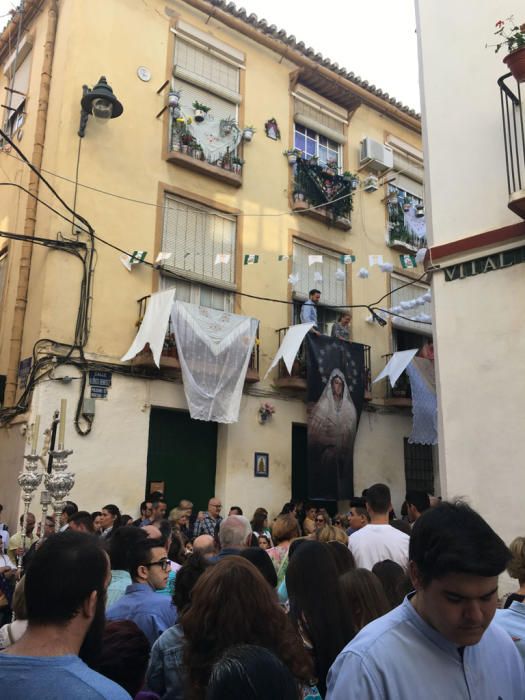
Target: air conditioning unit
{"points": [[371, 183], [376, 156]]}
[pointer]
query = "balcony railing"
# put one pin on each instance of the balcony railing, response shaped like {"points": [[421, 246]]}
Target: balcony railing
{"points": [[514, 140], [401, 235], [400, 394], [169, 358], [297, 379]]}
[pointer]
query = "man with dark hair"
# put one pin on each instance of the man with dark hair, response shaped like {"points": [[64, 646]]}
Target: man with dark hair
{"points": [[149, 568], [158, 510], [378, 540], [21, 542], [309, 309], [235, 510], [65, 589], [441, 637], [145, 514], [417, 503], [69, 509], [357, 515], [82, 522]]}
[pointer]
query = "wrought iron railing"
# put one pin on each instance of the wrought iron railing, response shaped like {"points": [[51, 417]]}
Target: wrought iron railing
{"points": [[299, 365], [320, 186], [401, 389], [514, 141]]}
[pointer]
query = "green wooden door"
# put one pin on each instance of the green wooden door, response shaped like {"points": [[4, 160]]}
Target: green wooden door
{"points": [[182, 453]]}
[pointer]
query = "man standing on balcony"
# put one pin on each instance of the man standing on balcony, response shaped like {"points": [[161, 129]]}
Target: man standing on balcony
{"points": [[309, 309]]}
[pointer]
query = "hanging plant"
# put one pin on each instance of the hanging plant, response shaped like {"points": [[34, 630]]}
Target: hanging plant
{"points": [[227, 126], [247, 133], [292, 154], [200, 111]]}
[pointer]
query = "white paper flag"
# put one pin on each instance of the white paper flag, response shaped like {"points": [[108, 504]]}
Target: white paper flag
{"points": [[312, 259], [420, 255], [293, 279], [396, 365], [162, 257], [222, 258], [290, 346], [318, 277], [375, 260]]}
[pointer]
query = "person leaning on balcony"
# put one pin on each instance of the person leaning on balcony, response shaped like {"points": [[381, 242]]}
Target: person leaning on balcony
{"points": [[309, 309], [341, 328]]}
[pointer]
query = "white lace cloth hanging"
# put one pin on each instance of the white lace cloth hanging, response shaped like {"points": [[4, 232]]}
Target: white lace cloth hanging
{"points": [[415, 224], [424, 401], [214, 350]]}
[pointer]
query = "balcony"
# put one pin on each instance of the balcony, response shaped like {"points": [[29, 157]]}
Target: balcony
{"points": [[400, 394], [514, 141], [297, 379], [169, 358], [320, 186], [406, 222]]}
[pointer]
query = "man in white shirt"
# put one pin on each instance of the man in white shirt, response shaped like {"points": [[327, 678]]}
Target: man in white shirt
{"points": [[378, 540]]}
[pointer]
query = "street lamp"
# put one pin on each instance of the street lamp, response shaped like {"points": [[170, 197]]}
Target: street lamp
{"points": [[100, 102]]}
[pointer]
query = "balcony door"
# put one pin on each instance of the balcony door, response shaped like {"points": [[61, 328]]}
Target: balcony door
{"points": [[182, 454]]}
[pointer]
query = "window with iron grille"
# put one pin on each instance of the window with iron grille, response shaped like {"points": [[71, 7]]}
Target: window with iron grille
{"points": [[419, 467], [197, 235], [315, 145]]}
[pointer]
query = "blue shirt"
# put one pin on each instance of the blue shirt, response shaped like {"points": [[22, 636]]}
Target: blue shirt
{"points": [[54, 678], [309, 312], [152, 613], [512, 620], [400, 656], [120, 580], [166, 674]]}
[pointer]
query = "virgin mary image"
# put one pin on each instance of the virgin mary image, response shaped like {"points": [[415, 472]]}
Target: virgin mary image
{"points": [[332, 428]]}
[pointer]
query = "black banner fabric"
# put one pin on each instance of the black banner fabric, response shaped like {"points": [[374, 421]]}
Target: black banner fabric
{"points": [[335, 371]]}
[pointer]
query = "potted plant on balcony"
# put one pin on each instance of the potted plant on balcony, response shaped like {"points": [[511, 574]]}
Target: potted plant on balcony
{"points": [[351, 178], [247, 133], [200, 111], [331, 167], [174, 98], [227, 126], [292, 154], [237, 164], [299, 199], [187, 142], [407, 204], [513, 38], [227, 159]]}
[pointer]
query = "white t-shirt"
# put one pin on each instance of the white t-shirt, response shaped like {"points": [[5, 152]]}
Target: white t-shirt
{"points": [[374, 543]]}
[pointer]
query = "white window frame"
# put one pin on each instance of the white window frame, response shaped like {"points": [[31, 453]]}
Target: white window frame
{"points": [[316, 136]]}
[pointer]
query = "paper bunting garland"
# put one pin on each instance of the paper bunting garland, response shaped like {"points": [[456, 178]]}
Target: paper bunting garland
{"points": [[386, 267], [408, 262], [375, 260], [427, 296], [340, 275], [135, 258], [312, 259], [162, 257], [363, 273], [222, 258], [293, 279], [251, 259], [347, 259], [318, 277]]}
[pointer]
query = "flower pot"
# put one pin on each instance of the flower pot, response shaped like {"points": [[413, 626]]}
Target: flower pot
{"points": [[247, 134], [175, 146], [226, 129], [199, 115], [292, 158], [173, 99], [226, 165], [298, 197], [420, 212], [236, 168], [184, 148], [354, 183], [515, 62], [406, 207]]}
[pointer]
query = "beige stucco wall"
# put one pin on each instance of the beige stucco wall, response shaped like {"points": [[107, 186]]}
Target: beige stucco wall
{"points": [[124, 158], [479, 336]]}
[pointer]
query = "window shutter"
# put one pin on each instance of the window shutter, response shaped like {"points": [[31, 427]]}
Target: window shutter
{"points": [[407, 294], [20, 84], [196, 235], [220, 108], [333, 291], [318, 120], [195, 65]]}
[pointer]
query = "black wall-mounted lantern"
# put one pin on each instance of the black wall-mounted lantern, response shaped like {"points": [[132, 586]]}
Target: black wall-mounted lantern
{"points": [[100, 102]]}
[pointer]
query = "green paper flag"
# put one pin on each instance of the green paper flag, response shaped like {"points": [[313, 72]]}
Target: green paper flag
{"points": [[347, 259], [251, 259], [408, 262]]}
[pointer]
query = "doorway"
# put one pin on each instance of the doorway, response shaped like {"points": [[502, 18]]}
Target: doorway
{"points": [[182, 455]]}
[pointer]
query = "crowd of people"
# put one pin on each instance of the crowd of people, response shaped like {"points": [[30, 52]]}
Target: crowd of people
{"points": [[179, 604]]}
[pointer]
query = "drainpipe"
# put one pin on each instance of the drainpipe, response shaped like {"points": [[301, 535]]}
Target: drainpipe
{"points": [[24, 271]]}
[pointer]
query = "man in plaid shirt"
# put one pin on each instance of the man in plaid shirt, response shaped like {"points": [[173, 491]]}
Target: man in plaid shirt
{"points": [[206, 524]]}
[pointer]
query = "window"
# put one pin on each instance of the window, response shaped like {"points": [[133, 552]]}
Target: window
{"points": [[419, 467], [16, 95], [323, 276], [315, 145], [196, 235], [400, 295]]}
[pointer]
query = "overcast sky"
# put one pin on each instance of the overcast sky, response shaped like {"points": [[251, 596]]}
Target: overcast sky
{"points": [[375, 39]]}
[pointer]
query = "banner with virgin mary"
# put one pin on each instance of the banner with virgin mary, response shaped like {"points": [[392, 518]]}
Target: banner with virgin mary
{"points": [[335, 371]]}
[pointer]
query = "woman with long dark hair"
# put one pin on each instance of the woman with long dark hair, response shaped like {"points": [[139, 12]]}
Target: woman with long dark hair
{"points": [[110, 520], [364, 596], [317, 608], [232, 604]]}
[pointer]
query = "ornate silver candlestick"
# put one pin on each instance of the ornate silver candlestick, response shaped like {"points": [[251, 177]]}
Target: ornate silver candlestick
{"points": [[29, 480], [60, 482]]}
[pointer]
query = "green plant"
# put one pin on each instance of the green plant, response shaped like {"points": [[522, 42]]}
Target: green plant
{"points": [[293, 152], [250, 128], [237, 161], [199, 105], [512, 35]]}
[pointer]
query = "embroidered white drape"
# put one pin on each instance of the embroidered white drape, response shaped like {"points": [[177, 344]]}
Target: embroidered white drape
{"points": [[424, 401], [214, 350]]}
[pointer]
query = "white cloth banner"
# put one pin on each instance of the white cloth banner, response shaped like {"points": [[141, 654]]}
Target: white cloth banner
{"points": [[210, 137], [396, 365], [214, 350], [153, 327], [290, 346], [415, 224], [424, 401]]}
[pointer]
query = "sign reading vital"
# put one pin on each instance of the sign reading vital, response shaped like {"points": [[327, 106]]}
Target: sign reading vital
{"points": [[336, 382], [485, 264]]}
